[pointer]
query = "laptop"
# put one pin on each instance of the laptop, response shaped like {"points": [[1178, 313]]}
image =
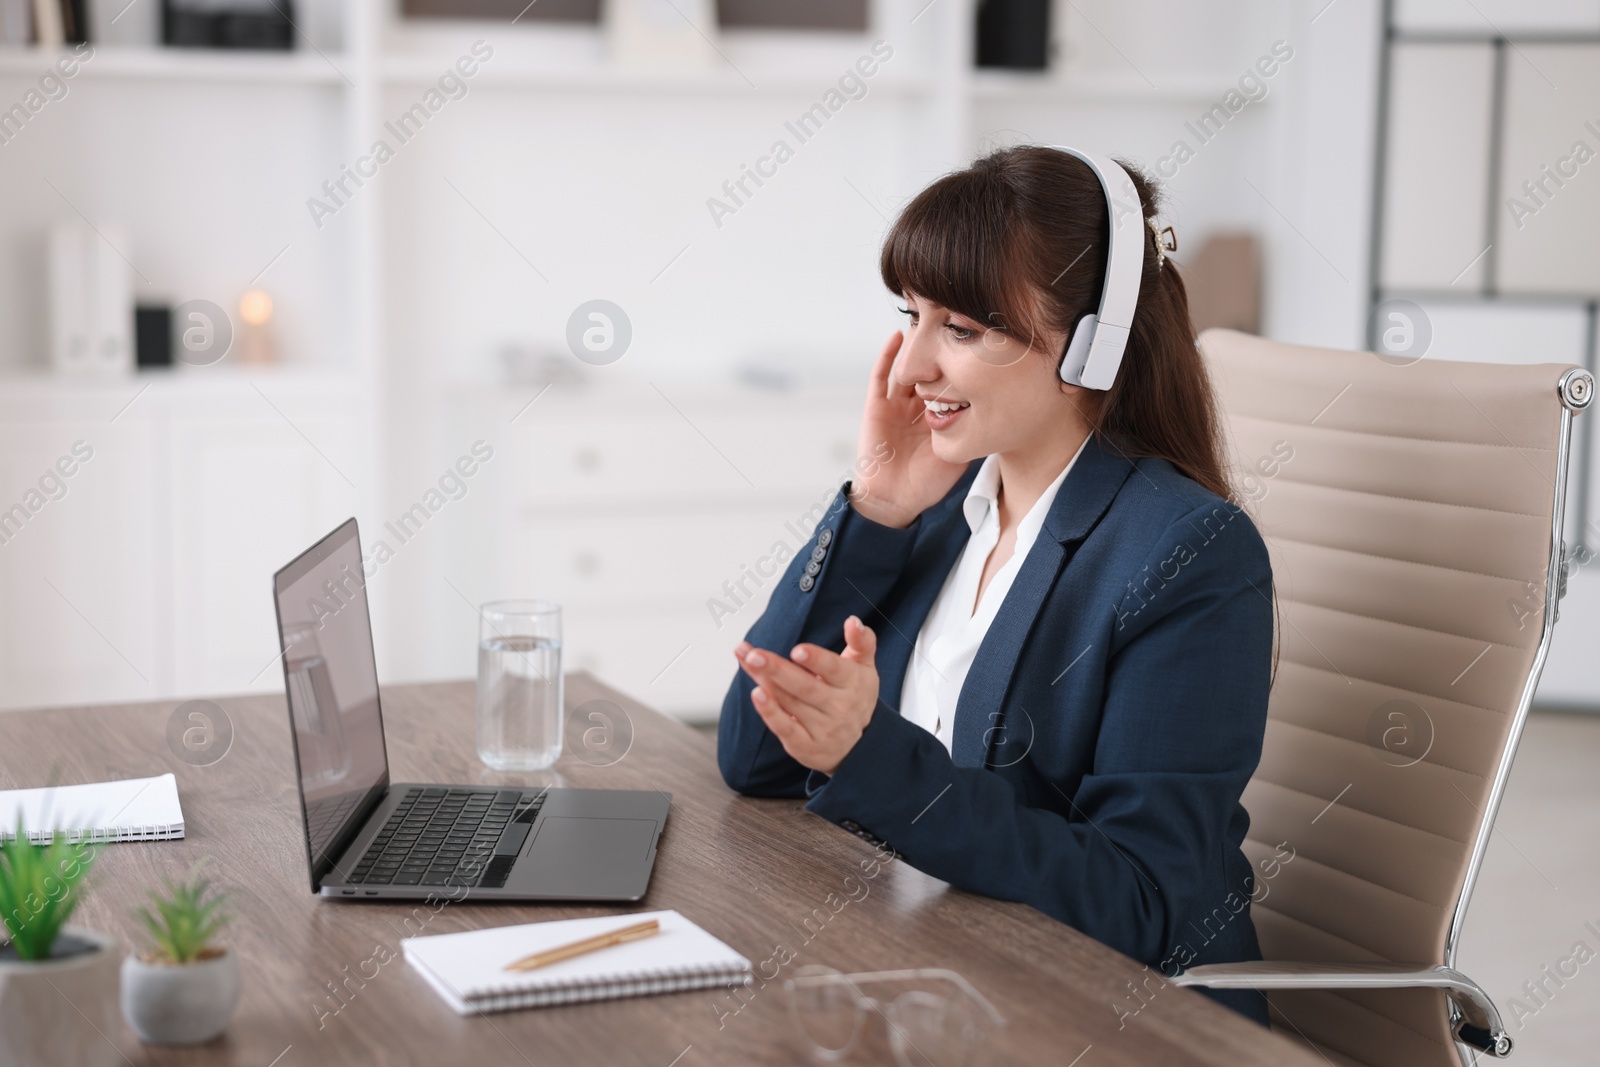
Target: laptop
{"points": [[368, 838]]}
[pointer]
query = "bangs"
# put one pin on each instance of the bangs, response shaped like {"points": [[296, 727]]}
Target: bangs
{"points": [[954, 245]]}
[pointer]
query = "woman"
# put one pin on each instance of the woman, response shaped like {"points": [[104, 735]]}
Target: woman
{"points": [[1030, 646]]}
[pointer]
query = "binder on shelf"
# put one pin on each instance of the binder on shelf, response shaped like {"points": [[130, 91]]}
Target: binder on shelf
{"points": [[16, 22], [74, 21], [91, 301], [47, 28]]}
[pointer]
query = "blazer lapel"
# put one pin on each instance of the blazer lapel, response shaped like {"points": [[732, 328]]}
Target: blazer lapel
{"points": [[1083, 497], [938, 545]]}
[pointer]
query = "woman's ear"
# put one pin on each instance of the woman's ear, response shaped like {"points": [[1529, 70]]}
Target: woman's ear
{"points": [[1083, 402]]}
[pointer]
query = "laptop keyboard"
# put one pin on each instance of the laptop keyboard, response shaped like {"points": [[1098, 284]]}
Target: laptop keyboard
{"points": [[445, 837]]}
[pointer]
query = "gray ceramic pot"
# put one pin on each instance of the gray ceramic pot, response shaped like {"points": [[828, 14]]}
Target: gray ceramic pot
{"points": [[53, 1012], [179, 1003]]}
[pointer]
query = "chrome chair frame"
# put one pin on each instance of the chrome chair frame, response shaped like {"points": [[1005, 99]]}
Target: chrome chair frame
{"points": [[1473, 1016]]}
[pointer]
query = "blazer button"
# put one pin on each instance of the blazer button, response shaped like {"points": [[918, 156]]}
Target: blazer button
{"points": [[806, 582], [813, 568], [819, 552], [825, 538]]}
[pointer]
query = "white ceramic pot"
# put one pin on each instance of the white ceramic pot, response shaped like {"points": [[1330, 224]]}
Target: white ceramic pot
{"points": [[179, 1003], [53, 1013]]}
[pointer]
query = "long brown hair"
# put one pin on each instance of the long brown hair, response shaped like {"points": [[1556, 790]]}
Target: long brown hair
{"points": [[1018, 240]]}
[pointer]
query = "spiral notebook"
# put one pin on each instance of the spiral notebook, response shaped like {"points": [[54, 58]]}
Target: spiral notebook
{"points": [[135, 809], [468, 969]]}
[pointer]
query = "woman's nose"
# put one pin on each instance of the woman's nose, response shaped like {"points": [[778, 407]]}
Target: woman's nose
{"points": [[916, 362]]}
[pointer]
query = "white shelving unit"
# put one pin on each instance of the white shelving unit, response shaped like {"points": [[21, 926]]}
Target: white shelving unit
{"points": [[125, 63], [1005, 87], [558, 177]]}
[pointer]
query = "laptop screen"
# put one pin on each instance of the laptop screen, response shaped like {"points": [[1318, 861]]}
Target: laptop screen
{"points": [[331, 675]]}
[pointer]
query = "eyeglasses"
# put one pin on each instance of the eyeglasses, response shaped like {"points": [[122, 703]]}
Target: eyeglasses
{"points": [[926, 1029]]}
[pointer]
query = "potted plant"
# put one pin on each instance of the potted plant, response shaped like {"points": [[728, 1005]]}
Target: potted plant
{"points": [[184, 990], [58, 983]]}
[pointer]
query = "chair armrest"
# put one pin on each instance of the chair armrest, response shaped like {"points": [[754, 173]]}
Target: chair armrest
{"points": [[1481, 1026]]}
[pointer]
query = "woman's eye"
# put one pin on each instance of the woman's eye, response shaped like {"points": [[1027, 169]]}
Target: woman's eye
{"points": [[913, 314], [960, 333]]}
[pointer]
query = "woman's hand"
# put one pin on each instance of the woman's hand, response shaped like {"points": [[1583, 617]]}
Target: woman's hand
{"points": [[898, 475], [819, 702]]}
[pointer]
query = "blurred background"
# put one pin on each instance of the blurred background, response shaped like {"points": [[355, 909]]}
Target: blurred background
{"points": [[576, 299], [275, 262]]}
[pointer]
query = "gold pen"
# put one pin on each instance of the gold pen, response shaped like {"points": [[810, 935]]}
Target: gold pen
{"points": [[588, 944]]}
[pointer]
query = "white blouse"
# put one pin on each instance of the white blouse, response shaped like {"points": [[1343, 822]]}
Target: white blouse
{"points": [[949, 639]]}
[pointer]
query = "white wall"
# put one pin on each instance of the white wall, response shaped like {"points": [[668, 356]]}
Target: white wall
{"points": [[1321, 157]]}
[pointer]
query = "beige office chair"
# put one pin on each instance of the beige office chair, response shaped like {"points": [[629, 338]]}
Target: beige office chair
{"points": [[1414, 517]]}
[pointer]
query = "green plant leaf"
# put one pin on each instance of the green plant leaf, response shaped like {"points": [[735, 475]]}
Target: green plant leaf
{"points": [[186, 917], [39, 887]]}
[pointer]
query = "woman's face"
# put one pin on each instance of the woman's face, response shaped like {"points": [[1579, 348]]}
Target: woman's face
{"points": [[983, 390]]}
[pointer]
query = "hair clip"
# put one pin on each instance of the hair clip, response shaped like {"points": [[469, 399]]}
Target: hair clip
{"points": [[1166, 241]]}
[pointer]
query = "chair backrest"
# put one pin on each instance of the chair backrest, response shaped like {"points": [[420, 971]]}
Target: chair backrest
{"points": [[1413, 515]]}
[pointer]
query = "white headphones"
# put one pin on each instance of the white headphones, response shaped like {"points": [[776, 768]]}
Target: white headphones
{"points": [[1095, 351]]}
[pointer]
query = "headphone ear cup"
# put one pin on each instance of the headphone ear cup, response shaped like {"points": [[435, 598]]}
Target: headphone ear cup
{"points": [[1077, 353]]}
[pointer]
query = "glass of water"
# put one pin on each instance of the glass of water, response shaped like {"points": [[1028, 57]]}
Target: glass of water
{"points": [[520, 708]]}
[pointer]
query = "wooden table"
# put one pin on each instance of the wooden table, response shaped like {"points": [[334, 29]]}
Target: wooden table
{"points": [[759, 874]]}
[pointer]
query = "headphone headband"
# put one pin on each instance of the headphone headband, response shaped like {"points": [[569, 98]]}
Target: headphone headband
{"points": [[1095, 351]]}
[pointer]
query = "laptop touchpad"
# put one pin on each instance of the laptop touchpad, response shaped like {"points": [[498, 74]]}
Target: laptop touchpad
{"points": [[581, 856]]}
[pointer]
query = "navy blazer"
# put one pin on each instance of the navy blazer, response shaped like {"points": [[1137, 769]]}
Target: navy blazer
{"points": [[1104, 734]]}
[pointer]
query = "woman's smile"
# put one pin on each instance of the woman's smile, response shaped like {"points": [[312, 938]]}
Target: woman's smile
{"points": [[942, 414]]}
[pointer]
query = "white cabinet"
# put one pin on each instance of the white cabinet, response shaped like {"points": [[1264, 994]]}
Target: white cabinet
{"points": [[148, 573], [635, 509], [248, 492], [75, 576]]}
